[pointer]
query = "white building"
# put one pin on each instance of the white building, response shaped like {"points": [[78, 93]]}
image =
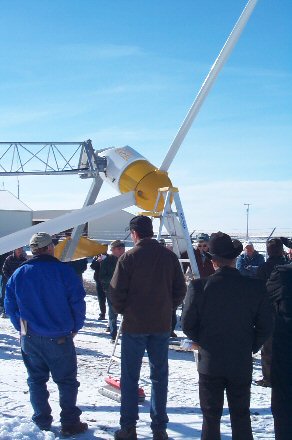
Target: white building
{"points": [[112, 227], [14, 214], [109, 228]]}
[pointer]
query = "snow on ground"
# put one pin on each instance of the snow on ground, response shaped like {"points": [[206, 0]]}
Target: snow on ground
{"points": [[100, 412]]}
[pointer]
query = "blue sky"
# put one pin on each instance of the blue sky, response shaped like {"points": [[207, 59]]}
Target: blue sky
{"points": [[125, 72]]}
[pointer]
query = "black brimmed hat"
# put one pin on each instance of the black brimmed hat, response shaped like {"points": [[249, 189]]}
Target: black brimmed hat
{"points": [[221, 245]]}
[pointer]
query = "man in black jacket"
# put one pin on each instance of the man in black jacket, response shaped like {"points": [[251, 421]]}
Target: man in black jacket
{"points": [[229, 317], [276, 256], [11, 263], [279, 287]]}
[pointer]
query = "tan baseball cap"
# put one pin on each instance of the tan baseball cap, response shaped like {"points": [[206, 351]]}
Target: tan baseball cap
{"points": [[40, 240]]}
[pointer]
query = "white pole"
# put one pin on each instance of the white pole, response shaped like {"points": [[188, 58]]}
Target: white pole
{"points": [[208, 83], [80, 216]]}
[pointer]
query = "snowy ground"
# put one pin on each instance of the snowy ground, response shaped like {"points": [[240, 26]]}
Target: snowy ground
{"points": [[101, 413]]}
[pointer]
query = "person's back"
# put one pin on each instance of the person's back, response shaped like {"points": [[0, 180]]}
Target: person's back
{"points": [[45, 302], [276, 256], [154, 273], [147, 285], [229, 314], [265, 270], [279, 287], [49, 297], [228, 317]]}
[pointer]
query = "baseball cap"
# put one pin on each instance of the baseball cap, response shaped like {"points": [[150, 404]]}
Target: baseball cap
{"points": [[247, 243], [202, 237], [40, 240]]}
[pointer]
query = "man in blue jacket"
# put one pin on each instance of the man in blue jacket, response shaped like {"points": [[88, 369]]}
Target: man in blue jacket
{"points": [[249, 261], [45, 303]]}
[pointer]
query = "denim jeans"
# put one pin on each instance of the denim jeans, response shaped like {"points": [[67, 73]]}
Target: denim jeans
{"points": [[42, 356], [132, 350], [112, 319]]}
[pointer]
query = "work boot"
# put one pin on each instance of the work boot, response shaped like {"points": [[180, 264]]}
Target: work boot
{"points": [[160, 435], [263, 383], [75, 428], [101, 317], [44, 428], [126, 434]]}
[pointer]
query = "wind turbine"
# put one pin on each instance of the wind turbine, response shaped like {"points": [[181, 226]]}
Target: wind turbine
{"points": [[131, 174]]}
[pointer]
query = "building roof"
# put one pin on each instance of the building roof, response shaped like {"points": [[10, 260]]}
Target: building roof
{"points": [[42, 215], [8, 202]]}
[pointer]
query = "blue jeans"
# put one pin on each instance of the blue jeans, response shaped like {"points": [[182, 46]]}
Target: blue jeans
{"points": [[132, 351], [42, 356]]}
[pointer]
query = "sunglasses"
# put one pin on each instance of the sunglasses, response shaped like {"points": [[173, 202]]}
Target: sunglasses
{"points": [[202, 245]]}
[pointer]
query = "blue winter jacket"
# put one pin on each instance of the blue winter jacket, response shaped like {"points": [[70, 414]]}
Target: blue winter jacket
{"points": [[248, 266], [48, 295]]}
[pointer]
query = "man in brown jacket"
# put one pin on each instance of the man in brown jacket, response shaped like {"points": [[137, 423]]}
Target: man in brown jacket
{"points": [[147, 285]]}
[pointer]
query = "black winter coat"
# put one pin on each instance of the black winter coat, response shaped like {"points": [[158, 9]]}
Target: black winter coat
{"points": [[267, 268], [10, 265], [230, 317], [279, 287]]}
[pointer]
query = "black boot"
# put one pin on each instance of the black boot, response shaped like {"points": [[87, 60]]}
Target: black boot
{"points": [[75, 428], [126, 434], [160, 435]]}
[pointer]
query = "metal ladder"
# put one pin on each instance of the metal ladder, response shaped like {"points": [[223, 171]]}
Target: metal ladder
{"points": [[176, 226]]}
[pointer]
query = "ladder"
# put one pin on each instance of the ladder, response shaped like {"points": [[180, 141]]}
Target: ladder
{"points": [[176, 226]]}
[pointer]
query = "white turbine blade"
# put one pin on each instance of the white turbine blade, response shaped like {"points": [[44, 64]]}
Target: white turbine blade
{"points": [[208, 83], [80, 216]]}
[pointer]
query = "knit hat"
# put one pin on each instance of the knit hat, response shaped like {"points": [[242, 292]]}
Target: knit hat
{"points": [[221, 245], [40, 240], [142, 225]]}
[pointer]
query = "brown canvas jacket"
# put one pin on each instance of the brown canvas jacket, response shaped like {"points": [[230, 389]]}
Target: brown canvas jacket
{"points": [[147, 285]]}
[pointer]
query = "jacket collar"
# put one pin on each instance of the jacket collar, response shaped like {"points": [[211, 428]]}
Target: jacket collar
{"points": [[146, 241], [44, 257], [226, 270]]}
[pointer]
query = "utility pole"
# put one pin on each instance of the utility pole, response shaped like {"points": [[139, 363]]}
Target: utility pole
{"points": [[247, 218]]}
